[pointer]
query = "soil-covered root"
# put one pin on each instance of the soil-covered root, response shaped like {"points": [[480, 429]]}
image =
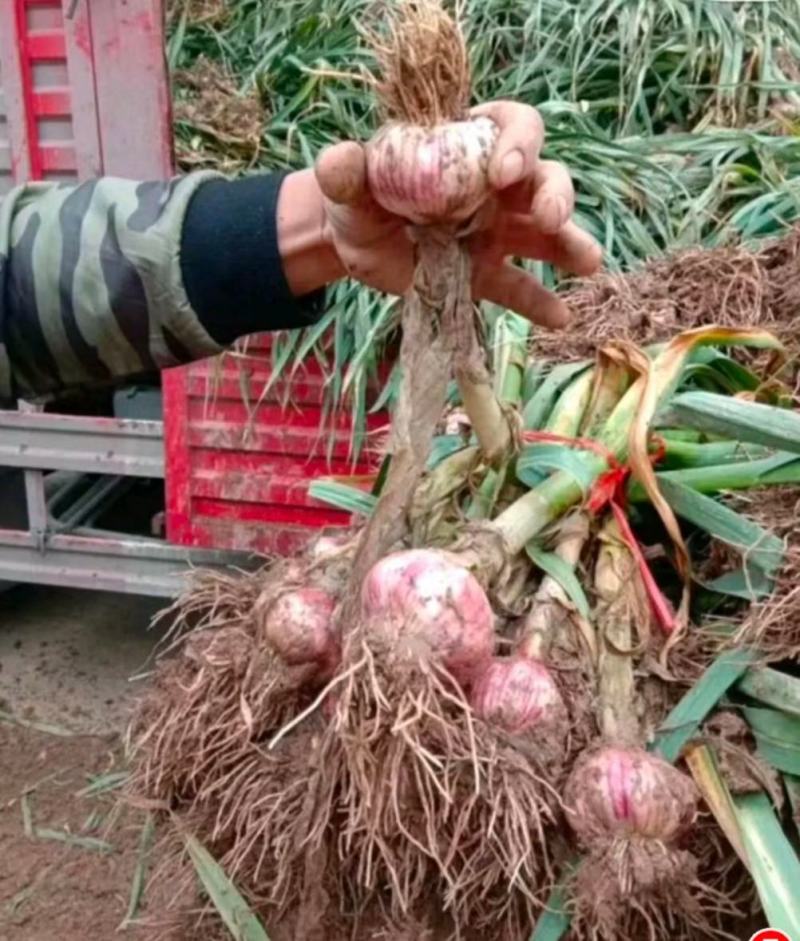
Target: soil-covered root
{"points": [[772, 624], [217, 691], [205, 708], [267, 823], [174, 906], [721, 871], [225, 124], [214, 598], [435, 802], [640, 888]]}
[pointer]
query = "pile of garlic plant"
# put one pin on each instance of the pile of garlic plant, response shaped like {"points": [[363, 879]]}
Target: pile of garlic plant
{"points": [[464, 719]]}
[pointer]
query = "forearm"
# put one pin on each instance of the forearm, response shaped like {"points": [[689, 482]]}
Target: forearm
{"points": [[113, 279]]}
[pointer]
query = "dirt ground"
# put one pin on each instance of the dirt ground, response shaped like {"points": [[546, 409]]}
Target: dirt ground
{"points": [[68, 856], [69, 876]]}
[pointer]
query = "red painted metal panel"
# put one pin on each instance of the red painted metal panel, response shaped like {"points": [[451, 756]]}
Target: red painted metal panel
{"points": [[57, 158], [16, 85], [176, 451], [80, 67], [232, 434], [227, 382], [243, 420], [32, 51], [133, 100], [79, 70], [230, 464], [244, 513], [269, 487], [265, 538]]}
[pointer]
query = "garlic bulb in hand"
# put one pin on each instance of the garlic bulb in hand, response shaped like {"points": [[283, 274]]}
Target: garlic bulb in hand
{"points": [[434, 174]]}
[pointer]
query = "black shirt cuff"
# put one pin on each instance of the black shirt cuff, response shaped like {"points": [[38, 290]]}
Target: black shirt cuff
{"points": [[232, 270]]}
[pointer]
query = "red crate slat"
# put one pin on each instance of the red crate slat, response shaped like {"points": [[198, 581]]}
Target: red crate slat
{"points": [[178, 459], [58, 158], [279, 539], [269, 513], [241, 415], [53, 103], [229, 384], [269, 441], [296, 388], [268, 488], [291, 465], [46, 44], [258, 360]]}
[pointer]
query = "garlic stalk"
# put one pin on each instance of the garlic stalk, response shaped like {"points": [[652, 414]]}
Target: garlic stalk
{"points": [[619, 603]]}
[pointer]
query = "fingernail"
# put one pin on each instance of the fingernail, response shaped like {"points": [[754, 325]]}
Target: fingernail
{"points": [[511, 168]]}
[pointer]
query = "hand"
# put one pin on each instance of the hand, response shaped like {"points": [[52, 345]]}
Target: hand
{"points": [[530, 217]]}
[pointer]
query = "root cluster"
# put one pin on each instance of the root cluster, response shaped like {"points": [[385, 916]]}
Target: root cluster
{"points": [[635, 888], [388, 801], [457, 809], [773, 624], [423, 65]]}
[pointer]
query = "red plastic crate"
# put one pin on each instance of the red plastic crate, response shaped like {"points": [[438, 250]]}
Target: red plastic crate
{"points": [[239, 463]]}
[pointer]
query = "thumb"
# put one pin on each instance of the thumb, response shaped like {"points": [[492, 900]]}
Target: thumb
{"points": [[341, 172]]}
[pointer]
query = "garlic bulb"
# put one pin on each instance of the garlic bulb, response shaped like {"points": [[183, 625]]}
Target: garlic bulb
{"points": [[432, 174], [517, 694], [299, 627], [625, 792], [423, 604]]}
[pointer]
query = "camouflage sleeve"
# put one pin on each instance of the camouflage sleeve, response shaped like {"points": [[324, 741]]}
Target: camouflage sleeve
{"points": [[91, 288]]}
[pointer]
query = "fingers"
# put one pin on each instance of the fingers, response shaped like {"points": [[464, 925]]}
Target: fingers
{"points": [[341, 172], [519, 291], [547, 194], [570, 248], [516, 151], [554, 196]]}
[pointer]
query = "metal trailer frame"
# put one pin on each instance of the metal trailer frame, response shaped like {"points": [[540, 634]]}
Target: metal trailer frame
{"points": [[66, 69], [60, 546]]}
